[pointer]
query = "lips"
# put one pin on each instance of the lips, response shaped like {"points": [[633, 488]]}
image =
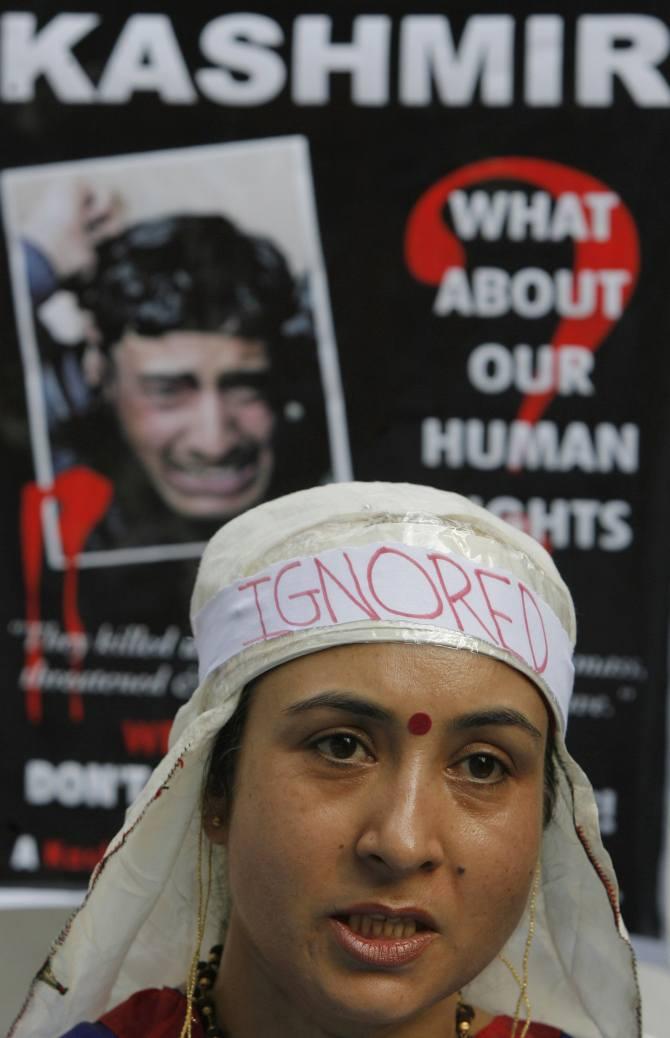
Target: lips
{"points": [[223, 477], [215, 481], [383, 937]]}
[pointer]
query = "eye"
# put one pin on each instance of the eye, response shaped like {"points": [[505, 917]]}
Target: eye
{"points": [[165, 390], [484, 768], [242, 395], [342, 746]]}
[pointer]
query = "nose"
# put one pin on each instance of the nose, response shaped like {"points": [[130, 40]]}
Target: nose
{"points": [[404, 828], [211, 429]]}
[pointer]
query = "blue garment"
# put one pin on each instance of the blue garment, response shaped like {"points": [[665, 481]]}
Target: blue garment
{"points": [[89, 1031], [42, 278]]}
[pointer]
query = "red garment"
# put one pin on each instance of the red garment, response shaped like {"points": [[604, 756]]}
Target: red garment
{"points": [[158, 1013], [501, 1027], [154, 1013]]}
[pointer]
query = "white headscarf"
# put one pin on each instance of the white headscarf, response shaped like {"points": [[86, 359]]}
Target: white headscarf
{"points": [[336, 565]]}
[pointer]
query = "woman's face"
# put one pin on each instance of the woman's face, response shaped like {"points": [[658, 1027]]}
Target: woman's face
{"points": [[375, 866]]}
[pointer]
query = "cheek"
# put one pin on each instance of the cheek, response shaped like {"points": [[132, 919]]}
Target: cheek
{"points": [[144, 423], [499, 862], [257, 420], [280, 842]]}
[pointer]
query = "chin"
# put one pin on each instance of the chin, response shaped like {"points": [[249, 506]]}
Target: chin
{"points": [[366, 1000], [213, 513], [209, 509]]}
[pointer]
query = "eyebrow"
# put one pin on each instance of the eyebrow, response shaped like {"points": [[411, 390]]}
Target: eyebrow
{"points": [[168, 378], [500, 716], [341, 701], [255, 378], [230, 380]]}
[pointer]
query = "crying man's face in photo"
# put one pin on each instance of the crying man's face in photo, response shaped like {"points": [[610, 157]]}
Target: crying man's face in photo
{"points": [[194, 408]]}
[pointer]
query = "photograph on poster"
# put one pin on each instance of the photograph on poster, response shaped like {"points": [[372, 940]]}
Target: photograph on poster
{"points": [[176, 339]]}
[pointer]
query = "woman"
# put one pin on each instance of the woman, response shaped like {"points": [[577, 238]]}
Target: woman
{"points": [[368, 801]]}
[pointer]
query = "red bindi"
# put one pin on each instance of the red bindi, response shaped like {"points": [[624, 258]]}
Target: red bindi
{"points": [[419, 724]]}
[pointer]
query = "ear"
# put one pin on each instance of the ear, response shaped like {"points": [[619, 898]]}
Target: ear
{"points": [[215, 820], [95, 366]]}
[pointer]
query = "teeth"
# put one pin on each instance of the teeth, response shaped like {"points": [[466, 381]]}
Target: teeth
{"points": [[382, 926]]}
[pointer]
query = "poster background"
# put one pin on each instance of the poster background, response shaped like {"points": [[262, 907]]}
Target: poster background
{"points": [[400, 364]]}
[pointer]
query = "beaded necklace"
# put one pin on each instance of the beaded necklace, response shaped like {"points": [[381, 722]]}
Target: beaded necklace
{"points": [[203, 993], [203, 999]]}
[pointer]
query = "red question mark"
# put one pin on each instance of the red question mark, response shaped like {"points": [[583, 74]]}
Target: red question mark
{"points": [[431, 248]]}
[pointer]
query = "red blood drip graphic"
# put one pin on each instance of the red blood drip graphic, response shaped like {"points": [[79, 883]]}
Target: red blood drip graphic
{"points": [[83, 497], [419, 724], [31, 543], [431, 247]]}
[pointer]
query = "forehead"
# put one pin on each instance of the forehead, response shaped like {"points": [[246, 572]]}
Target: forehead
{"points": [[187, 352], [405, 679]]}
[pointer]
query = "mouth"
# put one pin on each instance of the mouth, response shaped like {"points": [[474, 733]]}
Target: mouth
{"points": [[378, 924], [230, 476], [383, 938], [213, 481]]}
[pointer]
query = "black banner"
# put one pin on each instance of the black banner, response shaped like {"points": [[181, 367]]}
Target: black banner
{"points": [[248, 251]]}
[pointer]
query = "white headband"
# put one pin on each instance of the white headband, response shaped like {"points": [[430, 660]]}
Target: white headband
{"points": [[389, 582]]}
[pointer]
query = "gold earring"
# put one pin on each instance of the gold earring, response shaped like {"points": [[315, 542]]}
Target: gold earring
{"points": [[203, 904], [522, 980], [217, 822]]}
